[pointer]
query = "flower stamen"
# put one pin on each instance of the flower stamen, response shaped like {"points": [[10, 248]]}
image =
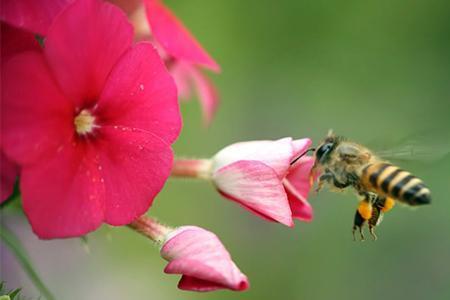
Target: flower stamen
{"points": [[84, 122]]}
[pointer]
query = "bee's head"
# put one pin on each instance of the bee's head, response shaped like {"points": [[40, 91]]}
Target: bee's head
{"points": [[327, 147]]}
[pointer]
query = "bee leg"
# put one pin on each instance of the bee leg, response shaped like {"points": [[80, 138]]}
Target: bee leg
{"points": [[324, 178], [330, 178], [372, 232], [377, 216], [361, 234], [358, 223], [363, 214], [340, 185]]}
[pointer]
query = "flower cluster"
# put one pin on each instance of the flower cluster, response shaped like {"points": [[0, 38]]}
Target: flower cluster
{"points": [[89, 113]]}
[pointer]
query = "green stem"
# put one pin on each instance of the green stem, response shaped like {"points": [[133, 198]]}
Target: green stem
{"points": [[16, 247]]}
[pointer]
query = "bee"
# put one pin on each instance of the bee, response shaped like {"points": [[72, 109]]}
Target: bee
{"points": [[378, 183]]}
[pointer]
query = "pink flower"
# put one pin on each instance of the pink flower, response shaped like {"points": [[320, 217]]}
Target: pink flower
{"points": [[90, 120], [183, 54], [259, 176], [188, 76], [202, 260], [31, 15], [176, 40]]}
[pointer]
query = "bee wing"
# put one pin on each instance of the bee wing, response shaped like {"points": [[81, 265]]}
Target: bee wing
{"points": [[423, 147]]}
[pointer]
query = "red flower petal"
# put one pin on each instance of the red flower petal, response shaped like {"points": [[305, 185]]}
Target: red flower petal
{"points": [[31, 15], [8, 175], [31, 131], [59, 196], [14, 40], [112, 179], [83, 44], [174, 37], [257, 186], [135, 165], [141, 94]]}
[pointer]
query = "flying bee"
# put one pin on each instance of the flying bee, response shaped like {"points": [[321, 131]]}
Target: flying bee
{"points": [[378, 184]]}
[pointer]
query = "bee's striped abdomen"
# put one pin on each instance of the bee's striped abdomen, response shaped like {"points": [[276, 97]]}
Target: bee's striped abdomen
{"points": [[391, 181]]}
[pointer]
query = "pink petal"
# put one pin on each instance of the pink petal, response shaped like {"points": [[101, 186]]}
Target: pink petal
{"points": [[29, 131], [207, 94], [276, 154], [8, 175], [174, 37], [297, 184], [203, 261], [301, 209], [14, 40], [141, 94], [182, 76], [189, 283], [59, 196], [256, 186], [82, 46], [31, 15], [300, 146], [299, 175], [186, 75], [134, 164]]}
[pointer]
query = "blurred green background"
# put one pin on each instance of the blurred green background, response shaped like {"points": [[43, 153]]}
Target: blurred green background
{"points": [[371, 70]]}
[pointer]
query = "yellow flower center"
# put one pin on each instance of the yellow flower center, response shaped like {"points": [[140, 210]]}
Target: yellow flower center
{"points": [[84, 122]]}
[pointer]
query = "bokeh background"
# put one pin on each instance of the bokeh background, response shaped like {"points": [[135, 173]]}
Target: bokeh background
{"points": [[371, 70]]}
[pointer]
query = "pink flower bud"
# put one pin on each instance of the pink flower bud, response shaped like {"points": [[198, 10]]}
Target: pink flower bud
{"points": [[259, 176], [202, 260]]}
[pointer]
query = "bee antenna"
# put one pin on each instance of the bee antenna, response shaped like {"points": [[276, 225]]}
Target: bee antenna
{"points": [[301, 155]]}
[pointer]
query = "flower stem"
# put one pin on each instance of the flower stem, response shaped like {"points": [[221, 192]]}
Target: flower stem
{"points": [[193, 168], [150, 228], [17, 249]]}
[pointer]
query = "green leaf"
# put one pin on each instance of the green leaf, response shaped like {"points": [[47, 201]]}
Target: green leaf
{"points": [[13, 243], [14, 293]]}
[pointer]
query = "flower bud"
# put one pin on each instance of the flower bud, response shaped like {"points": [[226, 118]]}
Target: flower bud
{"points": [[259, 176], [202, 260]]}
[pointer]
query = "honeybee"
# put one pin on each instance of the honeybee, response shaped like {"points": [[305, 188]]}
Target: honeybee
{"points": [[378, 183]]}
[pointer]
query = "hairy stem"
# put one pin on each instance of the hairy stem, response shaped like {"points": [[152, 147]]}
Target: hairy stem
{"points": [[150, 228], [194, 168]]}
